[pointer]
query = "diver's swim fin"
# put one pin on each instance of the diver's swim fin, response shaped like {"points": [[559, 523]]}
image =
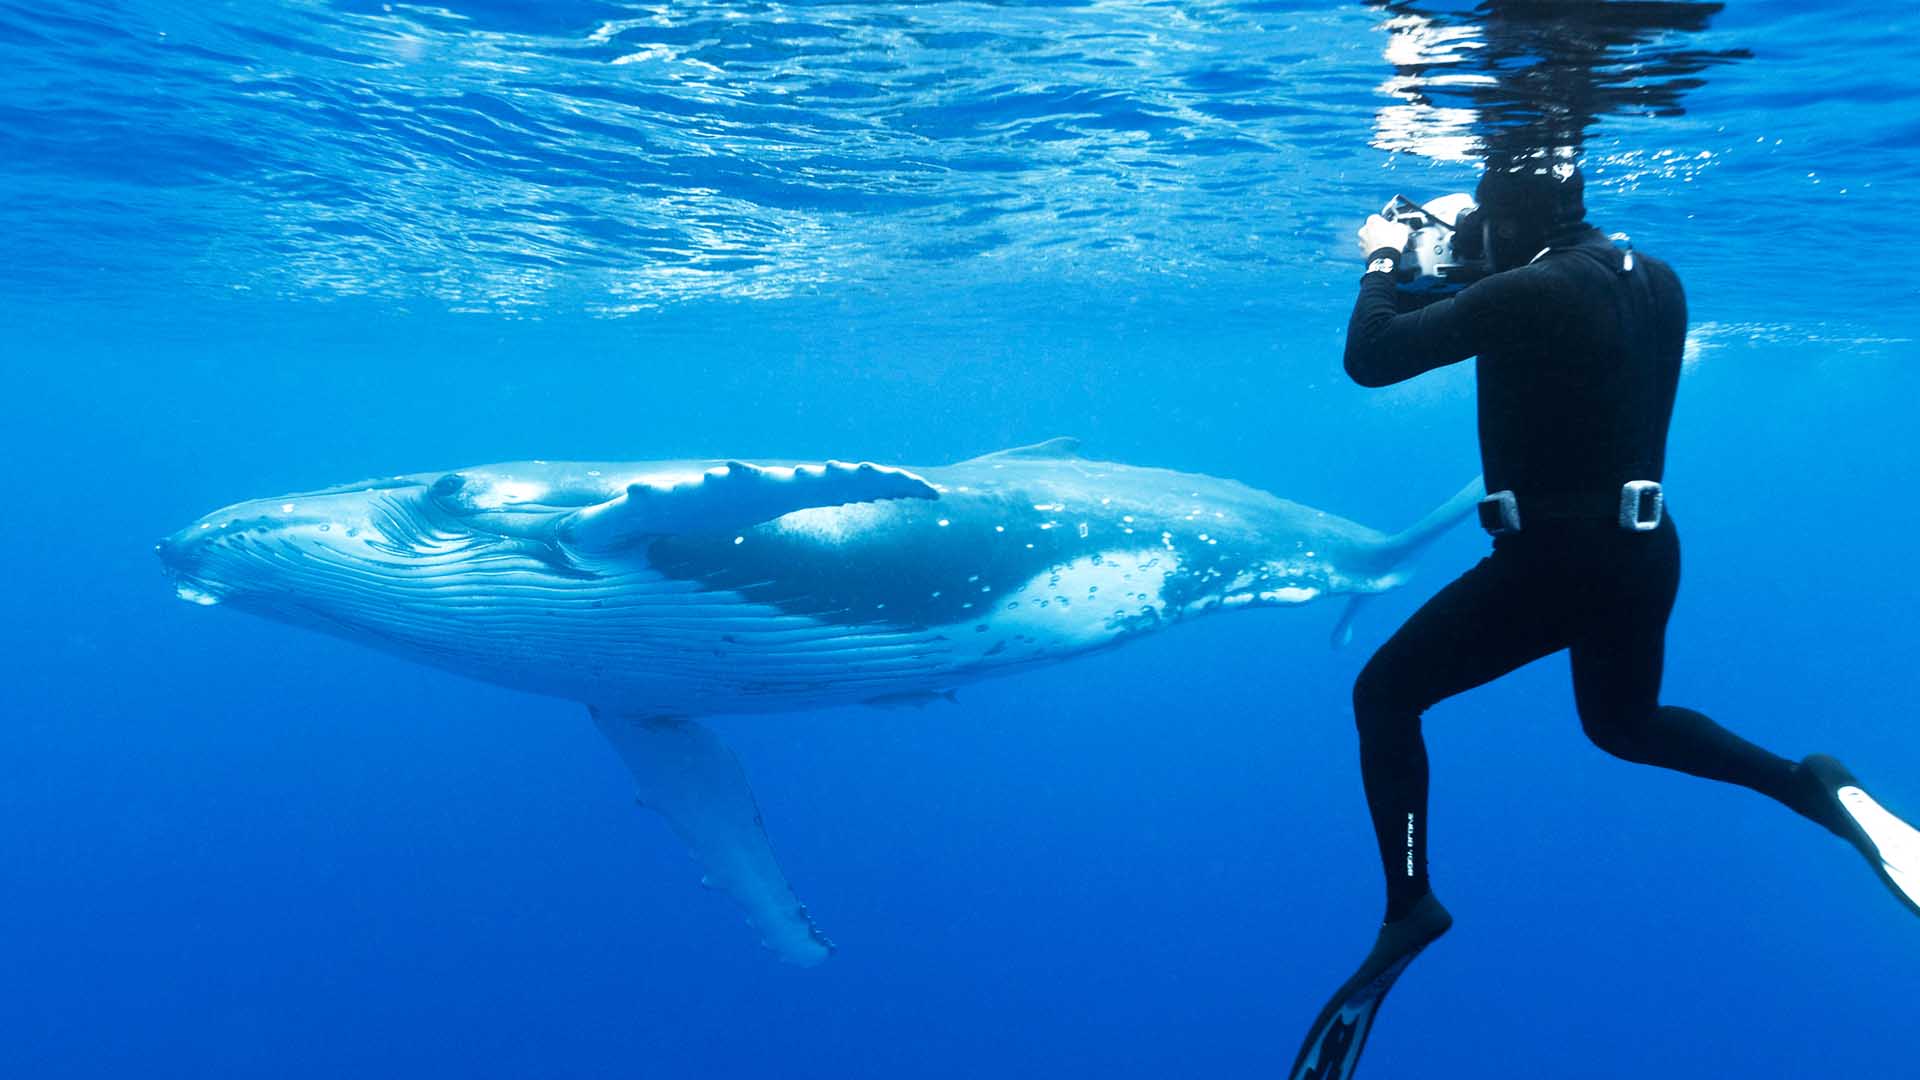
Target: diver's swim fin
{"points": [[1332, 1049], [1890, 845]]}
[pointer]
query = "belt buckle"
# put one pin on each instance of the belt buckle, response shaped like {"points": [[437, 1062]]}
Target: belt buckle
{"points": [[1500, 513], [1642, 505]]}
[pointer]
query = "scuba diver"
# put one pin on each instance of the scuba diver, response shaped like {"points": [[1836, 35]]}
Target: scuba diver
{"points": [[1579, 343]]}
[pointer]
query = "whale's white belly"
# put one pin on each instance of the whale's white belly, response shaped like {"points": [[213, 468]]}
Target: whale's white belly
{"points": [[633, 638]]}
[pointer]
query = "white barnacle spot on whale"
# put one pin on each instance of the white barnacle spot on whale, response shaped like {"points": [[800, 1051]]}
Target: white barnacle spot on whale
{"points": [[286, 508], [1290, 594], [197, 596]]}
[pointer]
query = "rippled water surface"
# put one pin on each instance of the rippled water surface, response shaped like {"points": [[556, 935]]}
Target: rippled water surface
{"points": [[578, 155]]}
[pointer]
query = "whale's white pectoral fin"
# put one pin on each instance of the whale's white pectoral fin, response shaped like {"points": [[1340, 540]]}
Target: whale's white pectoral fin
{"points": [[736, 495], [688, 776]]}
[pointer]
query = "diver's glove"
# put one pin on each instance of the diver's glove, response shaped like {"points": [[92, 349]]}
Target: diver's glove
{"points": [[1380, 240]]}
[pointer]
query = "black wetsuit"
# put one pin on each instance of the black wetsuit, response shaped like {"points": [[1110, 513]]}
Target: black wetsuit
{"points": [[1578, 363]]}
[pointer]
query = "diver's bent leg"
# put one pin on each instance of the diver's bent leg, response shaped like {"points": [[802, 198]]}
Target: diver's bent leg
{"points": [[1671, 737], [1618, 653], [1478, 628], [1819, 788], [1616, 680], [1616, 686]]}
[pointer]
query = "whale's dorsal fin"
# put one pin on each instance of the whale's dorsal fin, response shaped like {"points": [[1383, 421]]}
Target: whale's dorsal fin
{"points": [[735, 495], [1057, 448]]}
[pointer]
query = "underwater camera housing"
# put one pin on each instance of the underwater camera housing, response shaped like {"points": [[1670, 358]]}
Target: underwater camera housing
{"points": [[1447, 250]]}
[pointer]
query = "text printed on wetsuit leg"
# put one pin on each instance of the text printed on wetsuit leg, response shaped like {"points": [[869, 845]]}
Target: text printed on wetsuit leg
{"points": [[1409, 845]]}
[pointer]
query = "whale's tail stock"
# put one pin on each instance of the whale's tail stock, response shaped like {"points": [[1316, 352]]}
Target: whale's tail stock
{"points": [[1402, 545], [1394, 550]]}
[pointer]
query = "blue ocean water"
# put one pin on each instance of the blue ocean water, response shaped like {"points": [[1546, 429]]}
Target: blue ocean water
{"points": [[253, 248]]}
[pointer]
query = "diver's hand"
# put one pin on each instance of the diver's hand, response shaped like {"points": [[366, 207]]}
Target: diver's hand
{"points": [[1379, 233]]}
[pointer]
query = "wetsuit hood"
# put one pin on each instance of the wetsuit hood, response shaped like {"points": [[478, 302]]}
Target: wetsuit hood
{"points": [[1527, 207]]}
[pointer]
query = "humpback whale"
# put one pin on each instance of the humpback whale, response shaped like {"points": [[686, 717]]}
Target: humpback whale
{"points": [[657, 593]]}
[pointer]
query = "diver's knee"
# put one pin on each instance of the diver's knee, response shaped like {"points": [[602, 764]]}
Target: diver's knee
{"points": [[1369, 689], [1378, 701], [1622, 733]]}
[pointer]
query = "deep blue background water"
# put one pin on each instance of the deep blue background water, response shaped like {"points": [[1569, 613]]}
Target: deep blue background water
{"points": [[249, 249]]}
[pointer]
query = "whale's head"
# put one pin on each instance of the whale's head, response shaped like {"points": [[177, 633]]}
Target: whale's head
{"points": [[305, 551], [359, 557]]}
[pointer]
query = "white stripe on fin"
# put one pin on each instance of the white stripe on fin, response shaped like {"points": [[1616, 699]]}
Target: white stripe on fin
{"points": [[1897, 843], [736, 496]]}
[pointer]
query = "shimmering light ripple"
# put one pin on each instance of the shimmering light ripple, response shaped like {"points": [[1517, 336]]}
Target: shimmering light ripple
{"points": [[608, 157]]}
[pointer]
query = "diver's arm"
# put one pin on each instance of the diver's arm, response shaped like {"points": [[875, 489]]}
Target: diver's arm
{"points": [[1385, 346]]}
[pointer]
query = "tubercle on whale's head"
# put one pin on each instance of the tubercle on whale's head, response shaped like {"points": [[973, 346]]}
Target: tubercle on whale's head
{"points": [[321, 553], [282, 545]]}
